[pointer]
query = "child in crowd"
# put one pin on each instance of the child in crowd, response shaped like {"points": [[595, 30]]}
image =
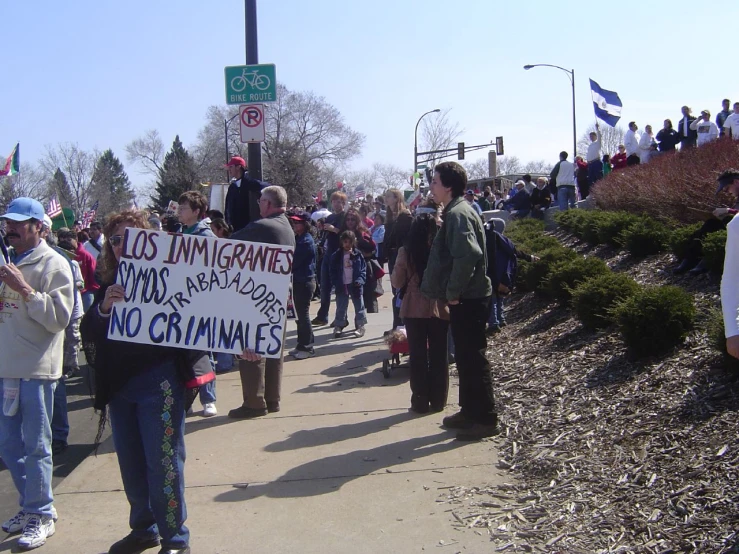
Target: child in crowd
{"points": [[374, 275], [503, 259], [304, 283], [378, 233], [348, 276]]}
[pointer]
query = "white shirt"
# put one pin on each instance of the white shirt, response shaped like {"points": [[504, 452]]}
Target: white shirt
{"points": [[91, 249], [593, 154], [707, 131], [729, 290], [732, 123], [566, 174], [318, 214], [645, 148], [631, 142]]}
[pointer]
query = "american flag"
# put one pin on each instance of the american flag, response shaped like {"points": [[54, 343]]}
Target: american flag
{"points": [[359, 192], [89, 216], [55, 208]]}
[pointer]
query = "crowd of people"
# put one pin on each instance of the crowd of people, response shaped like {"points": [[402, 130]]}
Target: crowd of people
{"points": [[449, 275]]}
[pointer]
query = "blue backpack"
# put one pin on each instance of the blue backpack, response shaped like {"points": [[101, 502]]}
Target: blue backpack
{"points": [[502, 261]]}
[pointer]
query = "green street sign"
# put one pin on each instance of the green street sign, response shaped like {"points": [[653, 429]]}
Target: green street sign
{"points": [[421, 166], [251, 84]]}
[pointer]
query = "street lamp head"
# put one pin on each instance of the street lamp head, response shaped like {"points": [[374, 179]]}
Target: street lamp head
{"points": [[436, 110], [527, 67]]}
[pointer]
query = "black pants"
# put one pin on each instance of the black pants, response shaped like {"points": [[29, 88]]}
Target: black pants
{"points": [[694, 252], [468, 320], [302, 295], [370, 298], [428, 355]]}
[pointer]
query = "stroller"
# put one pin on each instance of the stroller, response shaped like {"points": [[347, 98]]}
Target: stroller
{"points": [[397, 343]]}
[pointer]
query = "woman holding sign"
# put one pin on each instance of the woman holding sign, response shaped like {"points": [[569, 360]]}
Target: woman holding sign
{"points": [[142, 388]]}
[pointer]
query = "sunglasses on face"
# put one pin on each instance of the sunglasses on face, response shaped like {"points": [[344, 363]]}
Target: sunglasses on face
{"points": [[115, 240]]}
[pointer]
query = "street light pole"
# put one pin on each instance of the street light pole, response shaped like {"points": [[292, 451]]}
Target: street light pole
{"points": [[415, 139], [571, 75]]}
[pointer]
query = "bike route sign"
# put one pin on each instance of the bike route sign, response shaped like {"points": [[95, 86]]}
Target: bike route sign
{"points": [[251, 84]]}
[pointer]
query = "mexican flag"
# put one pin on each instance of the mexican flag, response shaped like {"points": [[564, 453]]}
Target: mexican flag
{"points": [[12, 164]]}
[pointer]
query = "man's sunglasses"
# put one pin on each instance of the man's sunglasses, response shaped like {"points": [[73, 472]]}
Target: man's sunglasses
{"points": [[115, 240]]}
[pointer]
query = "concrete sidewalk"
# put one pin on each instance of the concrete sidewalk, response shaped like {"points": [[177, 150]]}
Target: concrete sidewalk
{"points": [[344, 467]]}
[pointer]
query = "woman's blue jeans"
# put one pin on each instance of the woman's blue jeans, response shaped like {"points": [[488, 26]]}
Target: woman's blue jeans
{"points": [[148, 420]]}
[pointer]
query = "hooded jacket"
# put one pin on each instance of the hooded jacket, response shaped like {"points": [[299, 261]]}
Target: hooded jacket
{"points": [[32, 333]]}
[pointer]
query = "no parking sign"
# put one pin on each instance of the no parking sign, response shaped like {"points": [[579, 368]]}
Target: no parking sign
{"points": [[251, 118]]}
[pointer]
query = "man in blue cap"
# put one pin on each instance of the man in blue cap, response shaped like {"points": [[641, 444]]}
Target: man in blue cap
{"points": [[36, 302]]}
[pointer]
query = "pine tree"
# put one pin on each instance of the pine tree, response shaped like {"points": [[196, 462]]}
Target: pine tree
{"points": [[110, 185], [59, 186], [176, 176]]}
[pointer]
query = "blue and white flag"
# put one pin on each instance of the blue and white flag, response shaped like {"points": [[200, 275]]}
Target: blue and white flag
{"points": [[606, 103]]}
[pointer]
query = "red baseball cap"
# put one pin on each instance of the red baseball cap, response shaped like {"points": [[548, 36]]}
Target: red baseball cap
{"points": [[236, 160]]}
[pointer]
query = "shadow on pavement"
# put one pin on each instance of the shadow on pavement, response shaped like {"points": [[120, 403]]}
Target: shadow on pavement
{"points": [[330, 435], [329, 474]]}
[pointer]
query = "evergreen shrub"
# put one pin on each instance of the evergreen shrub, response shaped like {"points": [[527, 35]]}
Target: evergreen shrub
{"points": [[594, 299], [655, 319], [646, 236], [714, 249], [532, 275], [565, 275], [612, 225], [680, 239]]}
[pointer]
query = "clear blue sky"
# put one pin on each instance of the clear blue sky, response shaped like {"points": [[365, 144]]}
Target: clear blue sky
{"points": [[101, 73]]}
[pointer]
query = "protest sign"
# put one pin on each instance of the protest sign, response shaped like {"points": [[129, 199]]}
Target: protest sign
{"points": [[202, 293]]}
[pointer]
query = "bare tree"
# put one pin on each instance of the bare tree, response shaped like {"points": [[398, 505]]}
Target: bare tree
{"points": [[29, 182], [148, 151], [508, 165], [611, 137], [438, 133], [537, 166], [364, 179], [390, 176], [479, 169], [307, 139], [78, 167]]}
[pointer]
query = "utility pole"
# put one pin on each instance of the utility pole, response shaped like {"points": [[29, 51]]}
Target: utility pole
{"points": [[254, 150]]}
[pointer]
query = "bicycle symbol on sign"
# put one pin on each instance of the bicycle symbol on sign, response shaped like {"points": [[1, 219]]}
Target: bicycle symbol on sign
{"points": [[252, 78]]}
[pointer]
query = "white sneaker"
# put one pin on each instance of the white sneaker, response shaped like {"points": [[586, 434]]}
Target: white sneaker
{"points": [[303, 354], [337, 332], [359, 331], [16, 523], [209, 410], [36, 531], [293, 352]]}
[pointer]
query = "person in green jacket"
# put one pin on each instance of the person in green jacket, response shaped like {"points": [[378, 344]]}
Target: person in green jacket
{"points": [[457, 273]]}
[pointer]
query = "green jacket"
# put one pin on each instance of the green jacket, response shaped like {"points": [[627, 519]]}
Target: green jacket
{"points": [[458, 260]]}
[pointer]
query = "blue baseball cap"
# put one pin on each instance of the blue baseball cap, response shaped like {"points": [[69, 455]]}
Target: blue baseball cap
{"points": [[23, 209]]}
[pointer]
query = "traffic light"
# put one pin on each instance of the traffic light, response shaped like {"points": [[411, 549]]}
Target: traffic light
{"points": [[499, 146], [460, 150]]}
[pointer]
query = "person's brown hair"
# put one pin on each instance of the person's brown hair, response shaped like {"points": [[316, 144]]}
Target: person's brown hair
{"points": [[196, 200], [220, 224], [392, 214], [453, 176], [340, 195], [107, 264], [361, 228]]}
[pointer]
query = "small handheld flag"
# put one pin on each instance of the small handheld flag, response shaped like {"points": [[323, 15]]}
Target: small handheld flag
{"points": [[12, 164], [606, 103], [55, 208]]}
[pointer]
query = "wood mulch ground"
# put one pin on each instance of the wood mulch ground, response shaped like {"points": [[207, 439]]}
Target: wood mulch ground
{"points": [[609, 454]]}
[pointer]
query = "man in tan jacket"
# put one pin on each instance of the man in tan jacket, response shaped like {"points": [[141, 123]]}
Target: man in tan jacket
{"points": [[36, 302]]}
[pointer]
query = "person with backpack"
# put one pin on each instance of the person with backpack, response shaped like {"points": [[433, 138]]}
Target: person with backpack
{"points": [[503, 259]]}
